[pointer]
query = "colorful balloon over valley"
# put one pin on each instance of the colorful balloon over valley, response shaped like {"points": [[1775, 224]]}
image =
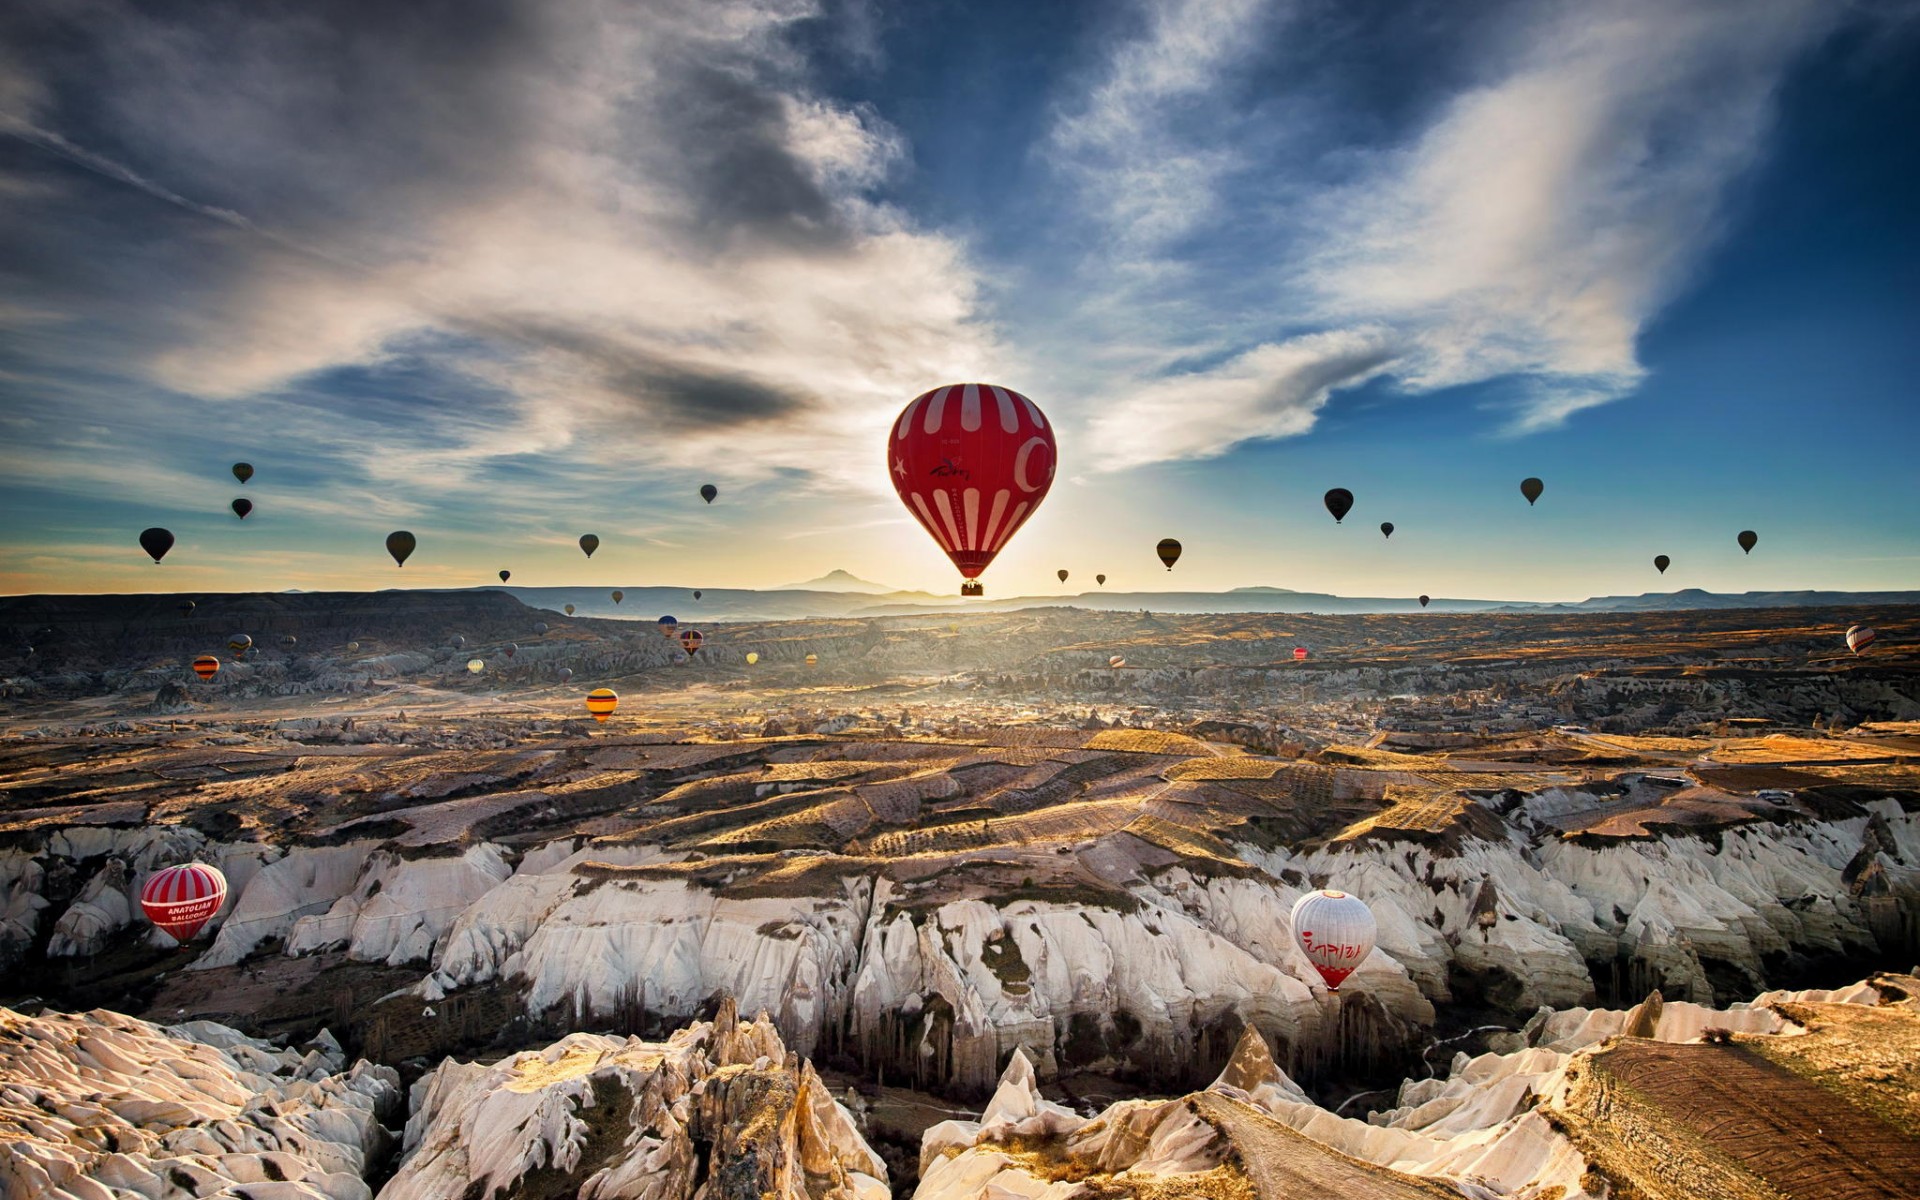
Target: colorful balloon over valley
{"points": [[475, 665], [181, 900], [240, 643], [691, 641], [1335, 931], [601, 702], [1299, 654], [206, 666], [753, 656], [1859, 638], [1116, 662], [971, 462]]}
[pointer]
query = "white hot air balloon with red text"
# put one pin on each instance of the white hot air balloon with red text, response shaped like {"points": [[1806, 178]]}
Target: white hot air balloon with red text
{"points": [[182, 899], [971, 462], [1335, 931]]}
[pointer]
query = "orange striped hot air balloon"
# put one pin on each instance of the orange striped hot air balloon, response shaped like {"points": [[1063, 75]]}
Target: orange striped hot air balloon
{"points": [[601, 702], [182, 899], [206, 666]]}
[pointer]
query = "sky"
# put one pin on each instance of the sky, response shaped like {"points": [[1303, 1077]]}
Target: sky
{"points": [[503, 272]]}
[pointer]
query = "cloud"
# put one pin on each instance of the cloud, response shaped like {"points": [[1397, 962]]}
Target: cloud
{"points": [[1527, 223]]}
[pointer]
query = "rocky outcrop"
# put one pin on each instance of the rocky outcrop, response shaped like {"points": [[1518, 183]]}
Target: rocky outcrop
{"points": [[721, 1109], [94, 1105]]}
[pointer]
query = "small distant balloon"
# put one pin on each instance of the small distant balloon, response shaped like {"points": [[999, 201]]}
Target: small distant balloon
{"points": [[457, 641], [569, 610], [813, 660], [513, 648], [240, 643], [289, 641], [1063, 574], [708, 492], [1335, 931], [1169, 552], [668, 624], [566, 673], [156, 542], [505, 575], [1101, 580], [1116, 662], [753, 656], [601, 702], [1661, 562], [1339, 502], [243, 471], [1748, 539], [476, 665], [1531, 489], [400, 544], [691, 641], [1859, 638], [1299, 654], [1424, 600], [181, 900], [353, 647], [539, 628], [186, 608], [589, 543], [242, 507], [619, 596], [206, 666], [696, 595]]}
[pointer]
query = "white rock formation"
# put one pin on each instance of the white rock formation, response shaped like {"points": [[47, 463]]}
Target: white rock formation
{"points": [[719, 1109], [399, 907], [98, 1105]]}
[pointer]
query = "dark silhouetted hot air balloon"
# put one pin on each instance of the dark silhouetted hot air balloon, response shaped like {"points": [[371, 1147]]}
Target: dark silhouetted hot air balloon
{"points": [[1423, 601], [181, 900], [1748, 539], [1339, 502], [569, 610], [156, 542], [1661, 562], [243, 471], [971, 462], [619, 596], [206, 666], [566, 673], [539, 629], [457, 641], [240, 643], [1299, 654], [505, 575], [708, 492], [1063, 574], [400, 544], [696, 595], [513, 648], [1116, 662], [1335, 931], [589, 542], [1531, 489], [186, 608], [690, 641], [1859, 638], [1386, 529], [1101, 580], [601, 702], [1169, 552], [242, 507], [288, 641], [668, 624]]}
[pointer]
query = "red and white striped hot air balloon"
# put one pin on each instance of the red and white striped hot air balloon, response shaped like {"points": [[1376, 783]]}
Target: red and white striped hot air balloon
{"points": [[971, 462], [182, 899], [1335, 931], [1860, 637]]}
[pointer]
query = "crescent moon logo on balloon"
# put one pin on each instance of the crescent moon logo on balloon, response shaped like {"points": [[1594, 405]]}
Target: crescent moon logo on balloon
{"points": [[1020, 466]]}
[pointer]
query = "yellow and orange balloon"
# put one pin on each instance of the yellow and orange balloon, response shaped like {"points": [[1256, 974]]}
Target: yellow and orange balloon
{"points": [[601, 702]]}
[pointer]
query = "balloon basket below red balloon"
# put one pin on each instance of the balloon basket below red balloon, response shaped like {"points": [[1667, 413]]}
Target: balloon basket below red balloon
{"points": [[973, 588]]}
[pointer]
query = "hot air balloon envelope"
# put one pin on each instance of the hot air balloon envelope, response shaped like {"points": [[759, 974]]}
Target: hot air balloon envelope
{"points": [[353, 647], [513, 648], [1386, 528], [1299, 654], [243, 471], [1424, 600], [505, 575], [1859, 638], [242, 507], [692, 639], [668, 624], [1531, 488], [1100, 579], [813, 660], [476, 665], [1169, 552], [1063, 575], [696, 595], [708, 492], [239, 643], [206, 666], [156, 542], [971, 462], [589, 543], [400, 544], [569, 610], [1339, 502], [1335, 931], [1116, 662], [181, 900], [566, 673], [619, 596], [1748, 539], [1661, 562], [187, 607], [540, 629], [601, 702], [753, 656]]}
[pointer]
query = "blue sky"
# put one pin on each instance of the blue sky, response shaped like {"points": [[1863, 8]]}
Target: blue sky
{"points": [[503, 273]]}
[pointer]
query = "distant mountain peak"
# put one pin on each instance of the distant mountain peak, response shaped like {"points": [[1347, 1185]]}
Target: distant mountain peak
{"points": [[838, 580]]}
